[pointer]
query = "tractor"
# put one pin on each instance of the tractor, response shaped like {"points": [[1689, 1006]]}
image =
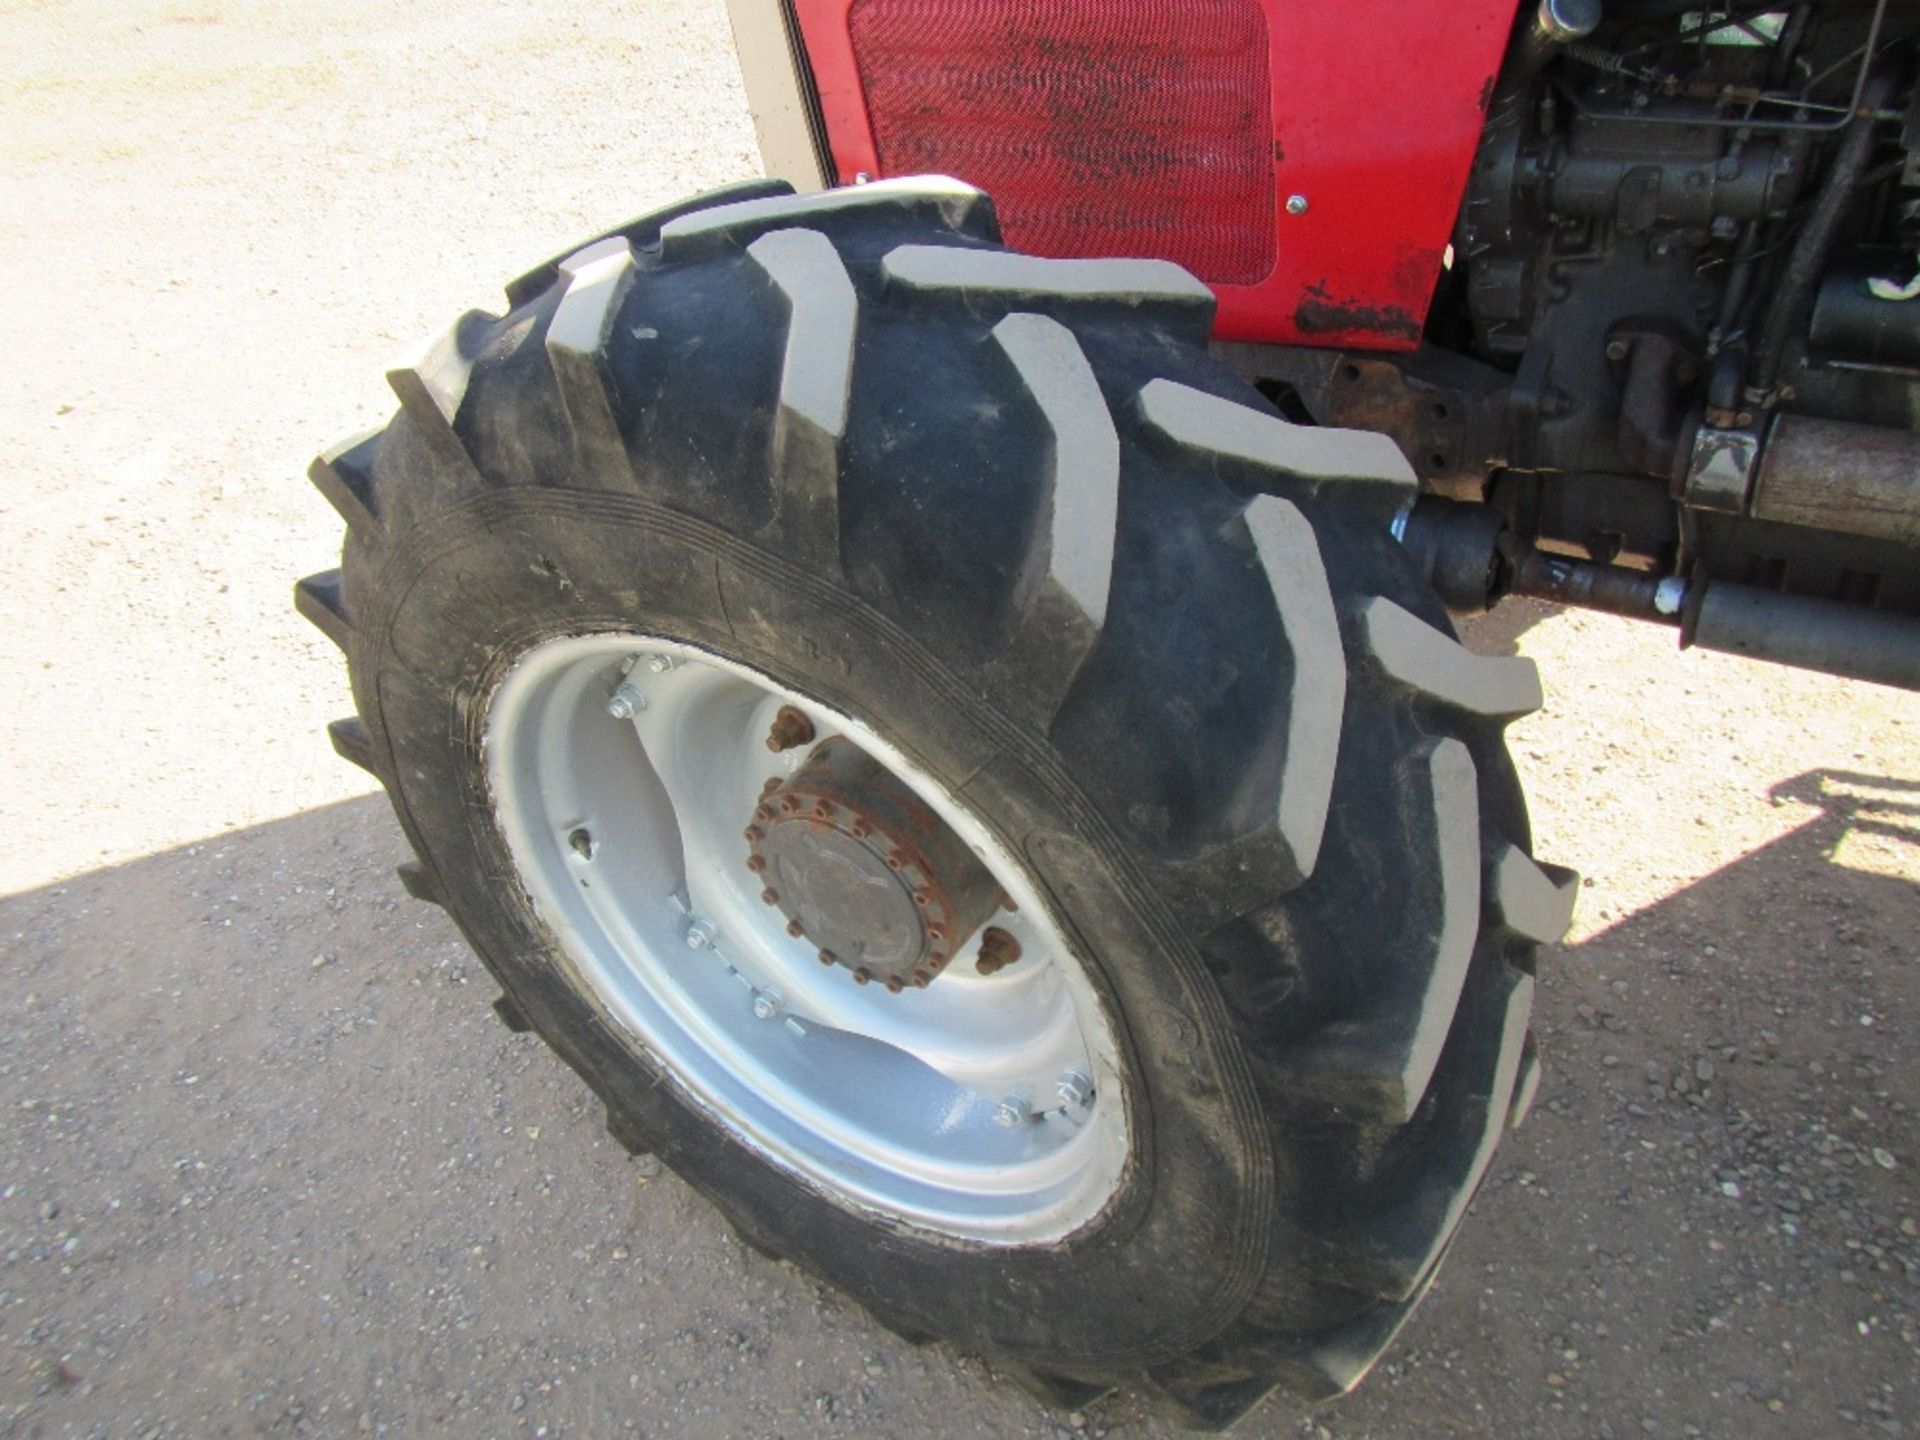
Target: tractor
{"points": [[930, 679]]}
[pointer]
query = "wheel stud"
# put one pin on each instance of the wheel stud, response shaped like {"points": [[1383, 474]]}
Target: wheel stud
{"points": [[1011, 1111], [998, 950], [790, 728], [626, 702]]}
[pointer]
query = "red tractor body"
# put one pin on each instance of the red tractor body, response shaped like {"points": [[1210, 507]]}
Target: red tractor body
{"points": [[1226, 135]]}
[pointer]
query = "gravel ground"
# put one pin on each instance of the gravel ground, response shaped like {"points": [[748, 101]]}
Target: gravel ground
{"points": [[269, 1164]]}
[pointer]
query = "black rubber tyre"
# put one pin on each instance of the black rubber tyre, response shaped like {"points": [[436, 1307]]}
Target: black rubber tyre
{"points": [[1010, 513]]}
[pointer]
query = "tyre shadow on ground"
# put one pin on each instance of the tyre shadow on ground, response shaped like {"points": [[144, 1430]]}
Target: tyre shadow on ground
{"points": [[272, 1158]]}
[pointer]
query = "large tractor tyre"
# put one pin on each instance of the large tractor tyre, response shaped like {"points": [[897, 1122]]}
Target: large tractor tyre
{"points": [[971, 788]]}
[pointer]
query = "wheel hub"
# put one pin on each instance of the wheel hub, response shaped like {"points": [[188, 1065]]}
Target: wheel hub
{"points": [[863, 869]]}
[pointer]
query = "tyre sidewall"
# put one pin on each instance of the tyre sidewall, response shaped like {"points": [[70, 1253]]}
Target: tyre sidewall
{"points": [[1183, 1245]]}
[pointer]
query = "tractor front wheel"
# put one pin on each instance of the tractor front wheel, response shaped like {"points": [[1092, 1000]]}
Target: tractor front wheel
{"points": [[968, 785]]}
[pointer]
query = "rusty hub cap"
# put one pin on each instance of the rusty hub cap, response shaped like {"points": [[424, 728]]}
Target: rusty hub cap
{"points": [[860, 866]]}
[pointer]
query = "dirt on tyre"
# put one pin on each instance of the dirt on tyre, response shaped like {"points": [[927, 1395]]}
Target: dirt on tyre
{"points": [[967, 784]]}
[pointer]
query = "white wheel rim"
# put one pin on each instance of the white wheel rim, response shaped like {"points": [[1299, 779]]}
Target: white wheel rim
{"points": [[954, 1109]]}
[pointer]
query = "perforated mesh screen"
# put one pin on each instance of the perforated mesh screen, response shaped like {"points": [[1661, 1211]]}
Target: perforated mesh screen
{"points": [[1100, 127]]}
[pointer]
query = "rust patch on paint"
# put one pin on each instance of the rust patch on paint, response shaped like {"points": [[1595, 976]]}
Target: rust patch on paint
{"points": [[1321, 313]]}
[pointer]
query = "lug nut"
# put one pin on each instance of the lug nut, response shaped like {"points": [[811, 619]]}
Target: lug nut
{"points": [[773, 784], [659, 664], [701, 935], [1074, 1089], [796, 929], [769, 896], [862, 975], [826, 957], [756, 863], [766, 1005], [787, 805], [626, 702], [823, 808], [894, 986], [790, 728], [998, 950], [1011, 1111]]}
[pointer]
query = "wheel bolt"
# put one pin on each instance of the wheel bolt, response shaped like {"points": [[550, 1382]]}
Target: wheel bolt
{"points": [[769, 896], [790, 728], [894, 985], [827, 957], [998, 950], [754, 832], [1074, 1089], [796, 929], [701, 935], [626, 702], [1011, 1111], [862, 975], [659, 664], [766, 1005], [756, 863]]}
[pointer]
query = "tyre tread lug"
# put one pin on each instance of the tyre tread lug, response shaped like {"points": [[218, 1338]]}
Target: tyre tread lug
{"points": [[343, 473], [352, 741], [1377, 1066], [712, 230], [418, 882], [1202, 421], [320, 603], [816, 385], [1529, 898], [1419, 656], [597, 279]]}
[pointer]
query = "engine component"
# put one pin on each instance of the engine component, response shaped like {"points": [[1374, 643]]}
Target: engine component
{"points": [[1823, 635], [1855, 328], [1830, 475], [1793, 289]]}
